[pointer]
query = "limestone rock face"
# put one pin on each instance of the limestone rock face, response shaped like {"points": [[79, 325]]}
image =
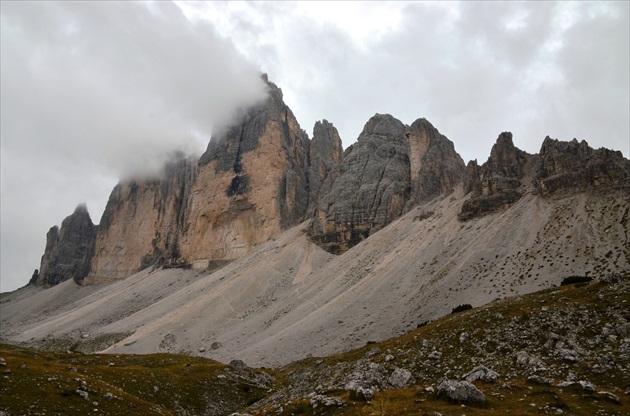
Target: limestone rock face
{"points": [[142, 221], [390, 169], [575, 165], [435, 166], [498, 181], [69, 250], [367, 190], [252, 183], [326, 151]]}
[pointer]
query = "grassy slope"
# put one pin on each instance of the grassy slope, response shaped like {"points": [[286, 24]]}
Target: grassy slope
{"points": [[46, 382], [167, 384]]}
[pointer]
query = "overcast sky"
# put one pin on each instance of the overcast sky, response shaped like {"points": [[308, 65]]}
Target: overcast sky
{"points": [[92, 92]]}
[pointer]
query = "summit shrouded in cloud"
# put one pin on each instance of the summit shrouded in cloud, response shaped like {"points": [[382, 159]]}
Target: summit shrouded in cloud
{"points": [[97, 91]]}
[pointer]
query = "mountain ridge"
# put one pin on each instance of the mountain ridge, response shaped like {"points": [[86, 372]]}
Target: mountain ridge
{"points": [[276, 241]]}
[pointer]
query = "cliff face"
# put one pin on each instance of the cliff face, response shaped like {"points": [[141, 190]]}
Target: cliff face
{"points": [[142, 222], [435, 167], [254, 181], [264, 175], [575, 165], [497, 182], [367, 190], [69, 250], [390, 169], [326, 152]]}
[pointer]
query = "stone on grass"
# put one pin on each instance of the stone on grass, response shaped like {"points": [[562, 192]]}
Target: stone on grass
{"points": [[325, 401], [401, 378], [587, 386], [237, 365], [460, 391], [608, 396], [541, 381], [482, 373], [362, 394]]}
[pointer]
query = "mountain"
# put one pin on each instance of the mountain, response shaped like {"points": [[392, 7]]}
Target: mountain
{"points": [[273, 246], [254, 181]]}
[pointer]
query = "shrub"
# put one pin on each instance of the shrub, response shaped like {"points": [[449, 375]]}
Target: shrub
{"points": [[575, 279], [461, 308]]}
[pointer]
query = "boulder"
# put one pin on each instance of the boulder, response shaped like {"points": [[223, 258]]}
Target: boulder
{"points": [[325, 401], [541, 381], [401, 378], [237, 365], [482, 373], [460, 391]]}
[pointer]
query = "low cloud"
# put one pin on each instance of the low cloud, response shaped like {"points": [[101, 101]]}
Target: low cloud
{"points": [[97, 91]]}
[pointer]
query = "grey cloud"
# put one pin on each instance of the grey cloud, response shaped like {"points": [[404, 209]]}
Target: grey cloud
{"points": [[96, 91], [472, 75]]}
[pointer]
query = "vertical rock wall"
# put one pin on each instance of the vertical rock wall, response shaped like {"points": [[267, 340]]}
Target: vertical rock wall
{"points": [[254, 181], [69, 250], [390, 169], [141, 223]]}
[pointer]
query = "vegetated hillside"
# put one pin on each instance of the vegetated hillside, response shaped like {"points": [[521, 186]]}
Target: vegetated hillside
{"points": [[289, 298], [40, 382], [565, 350]]}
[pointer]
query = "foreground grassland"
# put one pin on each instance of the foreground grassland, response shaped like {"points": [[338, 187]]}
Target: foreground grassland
{"points": [[38, 382], [560, 351]]}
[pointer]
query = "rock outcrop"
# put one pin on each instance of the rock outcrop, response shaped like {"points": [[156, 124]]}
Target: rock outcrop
{"points": [[576, 166], [255, 180], [390, 169], [497, 182], [326, 152], [560, 166], [435, 167], [141, 224], [367, 190], [69, 250]]}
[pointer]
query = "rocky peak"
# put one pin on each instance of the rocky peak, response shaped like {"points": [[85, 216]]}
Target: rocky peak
{"points": [[498, 181], [390, 169], [325, 152], [142, 221], [435, 166], [326, 144], [575, 165], [505, 159], [228, 149], [253, 182], [69, 249], [384, 126], [367, 190]]}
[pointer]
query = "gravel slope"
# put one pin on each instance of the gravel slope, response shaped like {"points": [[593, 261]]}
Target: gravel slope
{"points": [[290, 299]]}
